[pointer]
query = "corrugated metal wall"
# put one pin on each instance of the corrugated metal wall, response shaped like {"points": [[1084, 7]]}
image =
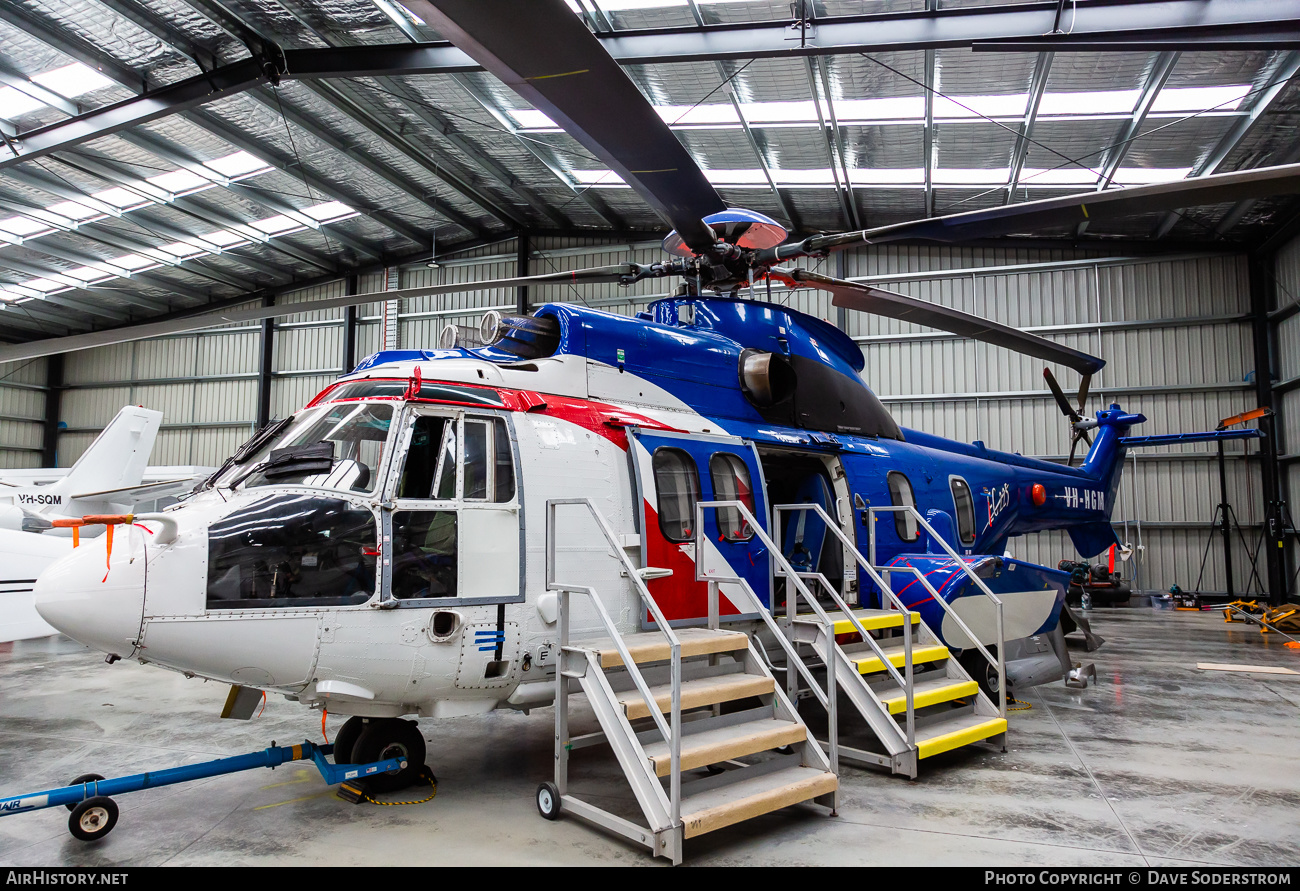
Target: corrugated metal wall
{"points": [[1287, 344], [22, 413], [1173, 331]]}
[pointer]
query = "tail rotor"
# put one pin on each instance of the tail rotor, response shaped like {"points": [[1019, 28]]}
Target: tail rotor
{"points": [[1079, 425]]}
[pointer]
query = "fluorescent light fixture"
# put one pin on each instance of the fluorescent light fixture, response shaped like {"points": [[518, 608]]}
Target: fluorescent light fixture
{"points": [[1007, 105], [330, 210], [1225, 98], [72, 80], [1089, 102], [239, 164], [15, 102]]}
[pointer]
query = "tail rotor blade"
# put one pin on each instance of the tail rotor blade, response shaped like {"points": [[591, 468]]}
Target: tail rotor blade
{"points": [[1074, 442], [1083, 391], [1059, 395]]}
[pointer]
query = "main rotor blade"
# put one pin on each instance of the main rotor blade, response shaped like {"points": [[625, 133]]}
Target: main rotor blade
{"points": [[1059, 395], [544, 52], [1069, 210], [865, 298], [52, 346]]}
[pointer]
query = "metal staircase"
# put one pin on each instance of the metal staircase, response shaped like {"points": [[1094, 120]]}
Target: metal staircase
{"points": [[703, 683]]}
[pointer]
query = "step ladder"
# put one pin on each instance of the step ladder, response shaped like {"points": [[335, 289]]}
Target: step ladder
{"points": [[701, 729], [902, 681]]}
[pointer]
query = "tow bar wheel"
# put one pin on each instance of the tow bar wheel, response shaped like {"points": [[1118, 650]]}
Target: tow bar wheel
{"points": [[548, 801], [93, 818], [81, 781]]}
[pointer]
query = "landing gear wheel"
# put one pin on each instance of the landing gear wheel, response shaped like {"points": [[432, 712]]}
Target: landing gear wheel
{"points": [[390, 738], [93, 818], [346, 739], [548, 801], [984, 672], [81, 780]]}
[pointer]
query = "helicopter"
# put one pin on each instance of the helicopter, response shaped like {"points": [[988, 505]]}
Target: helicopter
{"points": [[381, 553]]}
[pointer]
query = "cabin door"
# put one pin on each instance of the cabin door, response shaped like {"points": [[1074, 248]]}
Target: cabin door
{"points": [[676, 471]]}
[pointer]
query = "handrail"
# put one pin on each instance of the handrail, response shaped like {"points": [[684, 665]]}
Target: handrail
{"points": [[906, 681], [828, 698], [671, 735], [1000, 661]]}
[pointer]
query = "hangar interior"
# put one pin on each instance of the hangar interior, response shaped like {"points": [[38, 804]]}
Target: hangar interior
{"points": [[166, 157]]}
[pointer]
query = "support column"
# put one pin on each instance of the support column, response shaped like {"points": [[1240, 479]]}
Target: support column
{"points": [[841, 314], [390, 313], [53, 402], [264, 369], [1262, 287], [521, 269], [349, 326]]}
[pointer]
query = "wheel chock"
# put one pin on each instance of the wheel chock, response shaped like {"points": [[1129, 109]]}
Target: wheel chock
{"points": [[353, 791]]}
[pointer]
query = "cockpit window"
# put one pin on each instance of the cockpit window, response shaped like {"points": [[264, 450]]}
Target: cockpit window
{"points": [[337, 447]]}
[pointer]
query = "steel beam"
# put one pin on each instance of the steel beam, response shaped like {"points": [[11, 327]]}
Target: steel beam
{"points": [[927, 133], [846, 207], [757, 147], [75, 283], [53, 396], [264, 370], [1287, 65], [30, 88], [1155, 82], [836, 137], [1037, 86]]}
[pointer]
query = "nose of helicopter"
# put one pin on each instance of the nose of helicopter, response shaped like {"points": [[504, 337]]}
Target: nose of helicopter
{"points": [[96, 597]]}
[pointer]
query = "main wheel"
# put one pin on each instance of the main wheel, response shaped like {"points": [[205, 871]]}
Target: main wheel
{"points": [[346, 739], [81, 780], [390, 738], [93, 818], [548, 801], [983, 672]]}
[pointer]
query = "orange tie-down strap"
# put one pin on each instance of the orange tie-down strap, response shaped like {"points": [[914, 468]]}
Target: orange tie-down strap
{"points": [[106, 520]]}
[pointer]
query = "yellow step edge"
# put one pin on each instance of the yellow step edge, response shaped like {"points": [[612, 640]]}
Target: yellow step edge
{"points": [[924, 653], [963, 737], [897, 703], [883, 619]]}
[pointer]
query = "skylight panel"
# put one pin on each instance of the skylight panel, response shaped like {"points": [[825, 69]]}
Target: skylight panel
{"points": [[886, 176], [1063, 176], [121, 198], [1131, 176], [399, 14], [1002, 106], [133, 262], [971, 176], [600, 177], [74, 210], [72, 80], [23, 226], [715, 113], [15, 102], [624, 5], [181, 249], [803, 177], [1089, 102], [736, 177], [44, 285], [239, 164], [531, 118], [1225, 98], [780, 112], [330, 210], [890, 109], [87, 274], [223, 238], [275, 225], [179, 181]]}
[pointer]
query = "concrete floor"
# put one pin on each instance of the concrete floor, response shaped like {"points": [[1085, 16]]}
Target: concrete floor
{"points": [[1159, 764]]}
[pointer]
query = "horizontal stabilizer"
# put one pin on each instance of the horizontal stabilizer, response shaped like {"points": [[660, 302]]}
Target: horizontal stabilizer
{"points": [[143, 492]]}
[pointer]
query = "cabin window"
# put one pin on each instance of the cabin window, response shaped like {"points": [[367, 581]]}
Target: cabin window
{"points": [[965, 505], [424, 554], [731, 482], [678, 485], [476, 460], [504, 471], [292, 550], [338, 448], [900, 495], [421, 466], [489, 465]]}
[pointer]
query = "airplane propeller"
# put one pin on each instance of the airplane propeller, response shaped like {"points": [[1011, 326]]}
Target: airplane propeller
{"points": [[549, 58], [1079, 425]]}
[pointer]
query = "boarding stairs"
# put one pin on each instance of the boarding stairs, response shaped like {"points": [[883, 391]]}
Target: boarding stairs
{"points": [[902, 682], [722, 742]]}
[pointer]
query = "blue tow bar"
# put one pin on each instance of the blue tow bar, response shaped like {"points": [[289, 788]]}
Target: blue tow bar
{"points": [[94, 813]]}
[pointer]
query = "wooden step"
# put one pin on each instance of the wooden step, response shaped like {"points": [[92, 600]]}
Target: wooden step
{"points": [[920, 653], [870, 619], [961, 731], [725, 743], [652, 646], [749, 798], [697, 693], [932, 692]]}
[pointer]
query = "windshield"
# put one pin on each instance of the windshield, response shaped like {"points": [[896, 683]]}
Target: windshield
{"points": [[332, 447]]}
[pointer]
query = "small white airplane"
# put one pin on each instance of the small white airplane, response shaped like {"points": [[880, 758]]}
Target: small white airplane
{"points": [[111, 476]]}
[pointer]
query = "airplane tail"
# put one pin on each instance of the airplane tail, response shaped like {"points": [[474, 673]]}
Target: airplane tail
{"points": [[115, 460], [1104, 464]]}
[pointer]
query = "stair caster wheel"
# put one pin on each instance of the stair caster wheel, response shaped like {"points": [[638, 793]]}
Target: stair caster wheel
{"points": [[548, 801], [93, 818], [81, 781]]}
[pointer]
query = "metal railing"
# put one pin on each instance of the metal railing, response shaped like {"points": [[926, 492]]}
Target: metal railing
{"points": [[671, 731], [905, 680], [828, 697], [1000, 661]]}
